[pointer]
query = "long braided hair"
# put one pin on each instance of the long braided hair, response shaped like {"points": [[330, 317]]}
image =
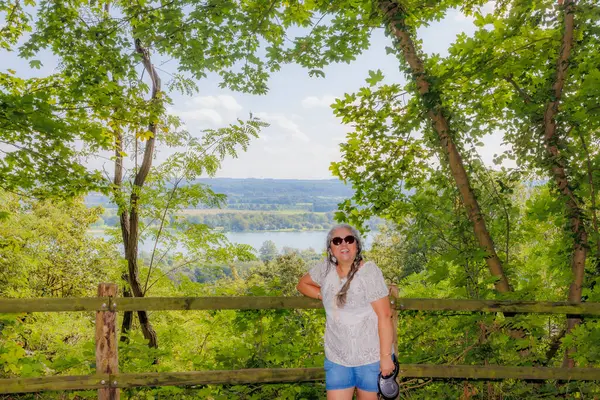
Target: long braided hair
{"points": [[340, 297]]}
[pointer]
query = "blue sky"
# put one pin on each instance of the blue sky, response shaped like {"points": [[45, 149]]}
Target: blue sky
{"points": [[304, 136]]}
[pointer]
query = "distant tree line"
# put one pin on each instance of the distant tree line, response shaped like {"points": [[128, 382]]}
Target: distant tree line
{"points": [[241, 222], [283, 203]]}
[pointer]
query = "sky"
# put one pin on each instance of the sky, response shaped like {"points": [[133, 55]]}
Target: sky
{"points": [[304, 136]]}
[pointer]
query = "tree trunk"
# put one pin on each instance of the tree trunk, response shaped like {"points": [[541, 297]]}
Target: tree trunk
{"points": [[132, 245], [129, 217], [394, 17], [551, 142], [127, 316], [123, 222]]}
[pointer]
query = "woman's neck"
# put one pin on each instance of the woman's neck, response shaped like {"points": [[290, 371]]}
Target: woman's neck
{"points": [[345, 266]]}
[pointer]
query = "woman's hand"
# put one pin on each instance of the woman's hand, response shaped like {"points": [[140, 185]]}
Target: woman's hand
{"points": [[386, 365]]}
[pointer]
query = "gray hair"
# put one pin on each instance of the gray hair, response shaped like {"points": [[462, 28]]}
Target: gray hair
{"points": [[341, 295]]}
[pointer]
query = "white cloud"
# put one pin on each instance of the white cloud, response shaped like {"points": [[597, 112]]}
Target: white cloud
{"points": [[314, 102], [230, 103], [289, 127], [226, 102], [208, 111], [202, 115], [303, 161]]}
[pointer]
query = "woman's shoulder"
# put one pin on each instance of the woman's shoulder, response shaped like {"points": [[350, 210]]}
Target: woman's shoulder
{"points": [[319, 265], [370, 267]]}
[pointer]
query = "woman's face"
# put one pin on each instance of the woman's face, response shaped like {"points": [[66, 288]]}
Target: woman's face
{"points": [[344, 252]]}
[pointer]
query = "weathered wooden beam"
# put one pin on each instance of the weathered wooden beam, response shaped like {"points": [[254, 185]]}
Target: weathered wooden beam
{"points": [[489, 372], [53, 305], [247, 376], [393, 299], [276, 375], [279, 303], [243, 376], [217, 303], [59, 383], [107, 359], [283, 375], [514, 306], [157, 303]]}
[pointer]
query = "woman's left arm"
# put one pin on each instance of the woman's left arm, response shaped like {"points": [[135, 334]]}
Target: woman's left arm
{"points": [[386, 331]]}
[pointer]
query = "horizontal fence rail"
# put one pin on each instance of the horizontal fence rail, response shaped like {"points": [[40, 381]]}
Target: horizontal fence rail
{"points": [[157, 304], [286, 375], [493, 306], [58, 383], [283, 303], [108, 380], [491, 372], [125, 380]]}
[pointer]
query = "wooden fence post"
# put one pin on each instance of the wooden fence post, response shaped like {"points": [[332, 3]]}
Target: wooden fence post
{"points": [[394, 300], [107, 360]]}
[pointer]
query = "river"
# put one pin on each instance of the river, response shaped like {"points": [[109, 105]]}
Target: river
{"points": [[300, 240], [297, 239]]}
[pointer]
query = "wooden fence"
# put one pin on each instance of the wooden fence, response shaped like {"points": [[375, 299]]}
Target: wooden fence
{"points": [[108, 380]]}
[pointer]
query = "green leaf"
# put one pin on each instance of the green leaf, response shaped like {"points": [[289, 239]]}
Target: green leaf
{"points": [[37, 64], [374, 77]]}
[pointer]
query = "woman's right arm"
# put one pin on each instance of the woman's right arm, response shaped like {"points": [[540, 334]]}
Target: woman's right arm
{"points": [[309, 288]]}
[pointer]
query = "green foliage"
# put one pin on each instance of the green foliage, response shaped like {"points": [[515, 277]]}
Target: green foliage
{"points": [[167, 192], [14, 360], [498, 80], [268, 251], [431, 254], [45, 249], [232, 339], [515, 86], [62, 343], [39, 133], [397, 256], [98, 93], [382, 157]]}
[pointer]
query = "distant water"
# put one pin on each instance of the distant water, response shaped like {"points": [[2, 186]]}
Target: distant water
{"points": [[301, 240]]}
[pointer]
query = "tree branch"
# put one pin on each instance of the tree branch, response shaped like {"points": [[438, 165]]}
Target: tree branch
{"points": [[526, 97]]}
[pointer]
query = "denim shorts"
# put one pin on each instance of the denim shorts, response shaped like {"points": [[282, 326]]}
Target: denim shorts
{"points": [[363, 377]]}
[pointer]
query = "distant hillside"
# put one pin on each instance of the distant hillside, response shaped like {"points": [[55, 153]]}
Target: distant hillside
{"points": [[309, 195], [270, 194]]}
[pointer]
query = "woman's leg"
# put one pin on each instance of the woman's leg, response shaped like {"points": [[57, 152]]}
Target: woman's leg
{"points": [[366, 381], [342, 394], [339, 381], [364, 395]]}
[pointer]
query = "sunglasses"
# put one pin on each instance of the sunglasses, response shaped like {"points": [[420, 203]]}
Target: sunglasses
{"points": [[338, 240]]}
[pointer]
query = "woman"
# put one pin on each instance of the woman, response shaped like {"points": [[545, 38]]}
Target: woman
{"points": [[358, 331]]}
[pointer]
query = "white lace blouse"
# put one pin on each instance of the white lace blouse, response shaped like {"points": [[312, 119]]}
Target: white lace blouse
{"points": [[351, 332]]}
